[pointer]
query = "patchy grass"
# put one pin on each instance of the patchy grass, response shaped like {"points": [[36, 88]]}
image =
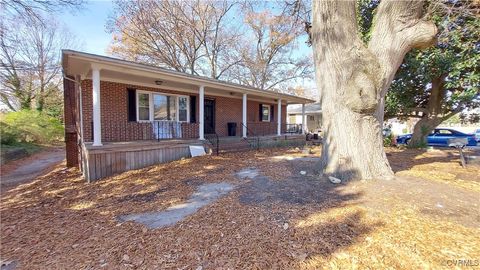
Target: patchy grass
{"points": [[288, 222]]}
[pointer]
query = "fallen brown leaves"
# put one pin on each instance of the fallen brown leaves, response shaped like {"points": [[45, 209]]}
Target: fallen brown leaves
{"points": [[59, 221], [436, 165]]}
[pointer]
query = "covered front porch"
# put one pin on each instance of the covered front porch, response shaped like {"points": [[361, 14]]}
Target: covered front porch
{"points": [[204, 114], [116, 157], [121, 115], [174, 130], [123, 101]]}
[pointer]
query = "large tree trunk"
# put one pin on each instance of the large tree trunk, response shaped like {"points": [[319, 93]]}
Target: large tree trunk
{"points": [[433, 114], [421, 130], [40, 103], [352, 80]]}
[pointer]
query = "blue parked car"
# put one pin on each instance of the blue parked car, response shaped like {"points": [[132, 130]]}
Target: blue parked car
{"points": [[439, 137]]}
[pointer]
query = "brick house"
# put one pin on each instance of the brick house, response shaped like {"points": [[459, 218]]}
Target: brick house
{"points": [[311, 113], [121, 115]]}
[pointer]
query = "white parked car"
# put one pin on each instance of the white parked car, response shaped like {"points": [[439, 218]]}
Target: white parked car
{"points": [[477, 134]]}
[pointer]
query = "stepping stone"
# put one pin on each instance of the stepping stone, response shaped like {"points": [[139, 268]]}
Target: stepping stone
{"points": [[205, 194], [247, 173]]}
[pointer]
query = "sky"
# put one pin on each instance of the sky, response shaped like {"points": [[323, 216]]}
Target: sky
{"points": [[88, 25]]}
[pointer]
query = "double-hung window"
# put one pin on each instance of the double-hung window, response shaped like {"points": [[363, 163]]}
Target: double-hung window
{"points": [[143, 100], [160, 107], [265, 113], [183, 109]]}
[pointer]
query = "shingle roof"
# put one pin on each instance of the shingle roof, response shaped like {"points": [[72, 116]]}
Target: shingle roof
{"points": [[194, 79]]}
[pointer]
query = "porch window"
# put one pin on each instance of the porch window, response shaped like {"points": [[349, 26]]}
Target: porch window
{"points": [[265, 113], [182, 109], [292, 119], [160, 107], [164, 107], [143, 106]]}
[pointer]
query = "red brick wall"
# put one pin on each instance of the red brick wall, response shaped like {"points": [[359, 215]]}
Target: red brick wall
{"points": [[230, 110], [70, 119], [114, 115]]}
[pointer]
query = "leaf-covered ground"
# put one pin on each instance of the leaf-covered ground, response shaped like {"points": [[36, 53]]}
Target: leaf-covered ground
{"points": [[427, 218]]}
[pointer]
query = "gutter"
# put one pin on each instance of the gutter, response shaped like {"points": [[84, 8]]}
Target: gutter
{"points": [[198, 79]]}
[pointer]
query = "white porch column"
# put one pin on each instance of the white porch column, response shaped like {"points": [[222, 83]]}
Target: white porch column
{"points": [[244, 116], [97, 123], [201, 114], [279, 117], [303, 118]]}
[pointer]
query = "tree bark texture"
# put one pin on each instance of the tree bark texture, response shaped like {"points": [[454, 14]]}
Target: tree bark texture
{"points": [[434, 113], [352, 79], [421, 130]]}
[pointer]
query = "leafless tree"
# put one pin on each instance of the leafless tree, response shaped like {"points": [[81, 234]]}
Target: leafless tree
{"points": [[218, 37], [268, 50], [32, 9], [187, 36], [30, 68], [225, 40]]}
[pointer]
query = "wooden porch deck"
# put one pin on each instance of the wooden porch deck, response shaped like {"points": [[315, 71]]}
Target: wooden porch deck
{"points": [[117, 157]]}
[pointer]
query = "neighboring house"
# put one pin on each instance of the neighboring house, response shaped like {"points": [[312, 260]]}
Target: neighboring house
{"points": [[121, 115], [312, 117], [400, 126]]}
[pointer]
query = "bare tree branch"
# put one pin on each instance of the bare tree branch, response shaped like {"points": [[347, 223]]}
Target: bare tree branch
{"points": [[30, 61]]}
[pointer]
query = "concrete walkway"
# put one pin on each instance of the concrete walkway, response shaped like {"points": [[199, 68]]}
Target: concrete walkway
{"points": [[29, 168], [205, 194]]}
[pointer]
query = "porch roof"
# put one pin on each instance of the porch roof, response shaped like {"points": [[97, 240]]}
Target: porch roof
{"points": [[312, 108], [122, 71]]}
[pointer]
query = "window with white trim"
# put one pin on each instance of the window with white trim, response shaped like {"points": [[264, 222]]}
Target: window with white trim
{"points": [[164, 107], [152, 106], [265, 113], [143, 105], [183, 109]]}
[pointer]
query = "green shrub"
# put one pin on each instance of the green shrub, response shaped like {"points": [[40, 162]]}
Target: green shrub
{"points": [[389, 140], [9, 134], [30, 126]]}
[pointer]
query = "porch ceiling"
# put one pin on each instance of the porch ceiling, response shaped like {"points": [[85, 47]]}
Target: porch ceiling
{"points": [[79, 63]]}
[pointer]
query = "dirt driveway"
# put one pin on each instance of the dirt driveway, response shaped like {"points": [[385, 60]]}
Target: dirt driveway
{"points": [[27, 169], [278, 218]]}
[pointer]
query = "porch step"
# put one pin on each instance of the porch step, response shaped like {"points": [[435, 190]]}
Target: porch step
{"points": [[235, 149], [233, 144]]}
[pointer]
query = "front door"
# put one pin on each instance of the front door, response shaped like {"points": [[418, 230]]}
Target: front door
{"points": [[209, 113]]}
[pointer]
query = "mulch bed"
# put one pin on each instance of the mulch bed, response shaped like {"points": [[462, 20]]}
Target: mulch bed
{"points": [[300, 222]]}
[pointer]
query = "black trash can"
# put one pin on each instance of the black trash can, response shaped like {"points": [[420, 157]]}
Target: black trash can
{"points": [[232, 129]]}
